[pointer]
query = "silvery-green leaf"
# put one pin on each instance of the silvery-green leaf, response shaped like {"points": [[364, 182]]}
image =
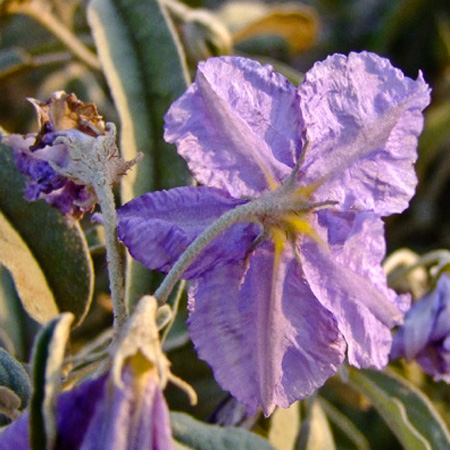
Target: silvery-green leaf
{"points": [[15, 325], [199, 436], [406, 410], [47, 360], [33, 289], [14, 377]]}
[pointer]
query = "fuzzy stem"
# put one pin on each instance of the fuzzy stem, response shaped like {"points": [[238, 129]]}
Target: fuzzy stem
{"points": [[242, 213], [175, 306], [283, 199], [116, 280], [52, 24]]}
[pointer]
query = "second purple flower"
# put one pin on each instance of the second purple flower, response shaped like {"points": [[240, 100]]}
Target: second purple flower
{"points": [[295, 285]]}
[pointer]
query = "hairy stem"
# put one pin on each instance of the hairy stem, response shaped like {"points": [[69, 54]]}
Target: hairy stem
{"points": [[113, 257], [242, 213], [175, 306]]}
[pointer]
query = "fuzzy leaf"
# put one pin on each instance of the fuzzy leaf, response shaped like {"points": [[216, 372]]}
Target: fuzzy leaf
{"points": [[196, 435], [15, 325], [31, 284], [14, 377], [406, 410], [47, 360]]}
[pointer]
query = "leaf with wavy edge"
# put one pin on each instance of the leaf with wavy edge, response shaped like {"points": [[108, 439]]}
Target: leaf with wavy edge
{"points": [[406, 410]]}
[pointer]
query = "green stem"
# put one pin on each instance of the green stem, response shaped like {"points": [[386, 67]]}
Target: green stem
{"points": [[285, 198], [175, 306], [242, 213], [116, 280], [44, 16]]}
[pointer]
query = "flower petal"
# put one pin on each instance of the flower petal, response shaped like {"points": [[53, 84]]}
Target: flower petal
{"points": [[75, 409], [347, 279], [357, 241], [415, 333], [441, 328], [425, 334], [269, 343], [158, 227], [362, 117], [130, 418], [237, 126]]}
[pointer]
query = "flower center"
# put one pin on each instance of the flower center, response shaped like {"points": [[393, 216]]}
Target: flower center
{"points": [[285, 211]]}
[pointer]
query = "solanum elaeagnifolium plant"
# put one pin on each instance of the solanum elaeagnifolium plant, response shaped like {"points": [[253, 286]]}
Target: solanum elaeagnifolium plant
{"points": [[278, 243]]}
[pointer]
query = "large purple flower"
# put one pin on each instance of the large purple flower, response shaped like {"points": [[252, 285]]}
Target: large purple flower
{"points": [[280, 297]]}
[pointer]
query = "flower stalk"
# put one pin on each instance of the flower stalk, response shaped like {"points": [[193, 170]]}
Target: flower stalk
{"points": [[96, 163], [282, 202], [113, 256], [242, 213]]}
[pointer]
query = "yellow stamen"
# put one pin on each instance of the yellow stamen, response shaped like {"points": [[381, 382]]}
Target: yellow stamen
{"points": [[270, 180], [279, 238], [297, 224], [307, 190]]}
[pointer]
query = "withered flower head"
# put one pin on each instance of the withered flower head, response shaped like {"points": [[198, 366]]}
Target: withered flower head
{"points": [[71, 150]]}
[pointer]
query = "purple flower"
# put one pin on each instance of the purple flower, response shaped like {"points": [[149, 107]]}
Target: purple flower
{"points": [[425, 335], [278, 299], [98, 414]]}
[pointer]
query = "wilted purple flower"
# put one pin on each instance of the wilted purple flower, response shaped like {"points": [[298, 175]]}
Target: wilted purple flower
{"points": [[279, 299], [425, 335], [101, 415], [55, 171]]}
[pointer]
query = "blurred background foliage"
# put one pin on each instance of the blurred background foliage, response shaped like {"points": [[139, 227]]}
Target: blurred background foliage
{"points": [[47, 45]]}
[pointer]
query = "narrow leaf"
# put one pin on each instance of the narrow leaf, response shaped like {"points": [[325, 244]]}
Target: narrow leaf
{"points": [[406, 410], [30, 282], [347, 427], [145, 67], [15, 325], [47, 360], [58, 248], [196, 435]]}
